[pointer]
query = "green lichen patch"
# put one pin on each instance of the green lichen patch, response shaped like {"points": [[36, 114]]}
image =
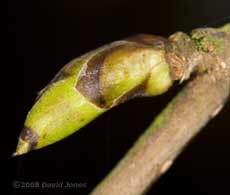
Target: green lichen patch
{"points": [[209, 43]]}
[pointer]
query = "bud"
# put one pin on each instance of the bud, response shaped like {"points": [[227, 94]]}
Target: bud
{"points": [[92, 84]]}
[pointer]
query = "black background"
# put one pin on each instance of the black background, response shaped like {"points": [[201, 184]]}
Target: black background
{"points": [[47, 34]]}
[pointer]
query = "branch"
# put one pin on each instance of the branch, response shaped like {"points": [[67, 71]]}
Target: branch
{"points": [[201, 100]]}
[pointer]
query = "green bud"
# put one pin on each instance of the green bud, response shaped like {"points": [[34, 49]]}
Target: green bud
{"points": [[91, 85]]}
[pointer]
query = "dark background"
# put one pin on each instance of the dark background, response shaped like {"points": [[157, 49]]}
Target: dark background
{"points": [[47, 34]]}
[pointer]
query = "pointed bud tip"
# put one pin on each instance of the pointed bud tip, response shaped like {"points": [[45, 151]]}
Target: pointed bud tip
{"points": [[14, 154], [22, 148]]}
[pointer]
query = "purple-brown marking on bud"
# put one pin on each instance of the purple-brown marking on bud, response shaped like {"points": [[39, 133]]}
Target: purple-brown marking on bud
{"points": [[157, 42], [88, 82], [28, 135]]}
